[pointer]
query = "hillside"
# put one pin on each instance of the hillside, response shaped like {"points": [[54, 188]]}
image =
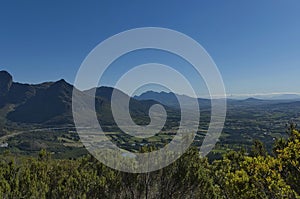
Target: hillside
{"points": [[50, 103]]}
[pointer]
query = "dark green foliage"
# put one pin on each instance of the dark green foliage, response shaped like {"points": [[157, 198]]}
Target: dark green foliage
{"points": [[44, 177], [235, 176], [261, 176], [258, 149]]}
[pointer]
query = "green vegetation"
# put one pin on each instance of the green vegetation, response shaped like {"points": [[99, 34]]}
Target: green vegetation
{"points": [[236, 175], [36, 121]]}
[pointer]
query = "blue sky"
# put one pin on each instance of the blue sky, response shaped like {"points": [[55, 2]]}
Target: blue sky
{"points": [[255, 44]]}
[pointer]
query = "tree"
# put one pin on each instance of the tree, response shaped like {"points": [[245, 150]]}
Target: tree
{"points": [[258, 149], [289, 156]]}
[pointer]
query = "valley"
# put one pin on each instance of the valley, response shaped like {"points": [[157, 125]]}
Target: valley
{"points": [[35, 117]]}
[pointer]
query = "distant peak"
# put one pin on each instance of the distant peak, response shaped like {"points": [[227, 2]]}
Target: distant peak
{"points": [[252, 99], [61, 81], [4, 73]]}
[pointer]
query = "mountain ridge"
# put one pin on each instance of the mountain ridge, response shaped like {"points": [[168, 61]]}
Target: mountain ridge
{"points": [[50, 103]]}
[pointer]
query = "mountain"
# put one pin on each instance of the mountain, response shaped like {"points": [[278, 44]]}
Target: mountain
{"points": [[248, 102], [44, 103], [172, 100], [139, 109], [50, 103], [286, 97]]}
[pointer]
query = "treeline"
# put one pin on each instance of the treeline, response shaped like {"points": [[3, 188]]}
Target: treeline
{"points": [[236, 175]]}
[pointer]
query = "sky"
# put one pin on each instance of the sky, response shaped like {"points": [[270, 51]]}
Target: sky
{"points": [[255, 44]]}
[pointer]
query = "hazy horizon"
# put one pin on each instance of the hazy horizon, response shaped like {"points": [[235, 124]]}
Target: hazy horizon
{"points": [[282, 95]]}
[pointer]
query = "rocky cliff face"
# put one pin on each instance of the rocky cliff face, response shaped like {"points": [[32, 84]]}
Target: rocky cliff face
{"points": [[5, 82]]}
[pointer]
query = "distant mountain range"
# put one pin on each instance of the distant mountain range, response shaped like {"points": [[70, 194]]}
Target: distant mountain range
{"points": [[271, 96], [170, 99], [50, 103], [286, 97]]}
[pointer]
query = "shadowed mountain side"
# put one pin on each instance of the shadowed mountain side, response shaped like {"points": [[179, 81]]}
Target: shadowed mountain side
{"points": [[50, 103], [5, 82]]}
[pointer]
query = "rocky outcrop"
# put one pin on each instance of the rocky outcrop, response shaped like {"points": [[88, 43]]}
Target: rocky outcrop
{"points": [[5, 82]]}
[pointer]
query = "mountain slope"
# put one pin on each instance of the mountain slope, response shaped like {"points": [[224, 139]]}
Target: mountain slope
{"points": [[50, 103], [46, 105]]}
